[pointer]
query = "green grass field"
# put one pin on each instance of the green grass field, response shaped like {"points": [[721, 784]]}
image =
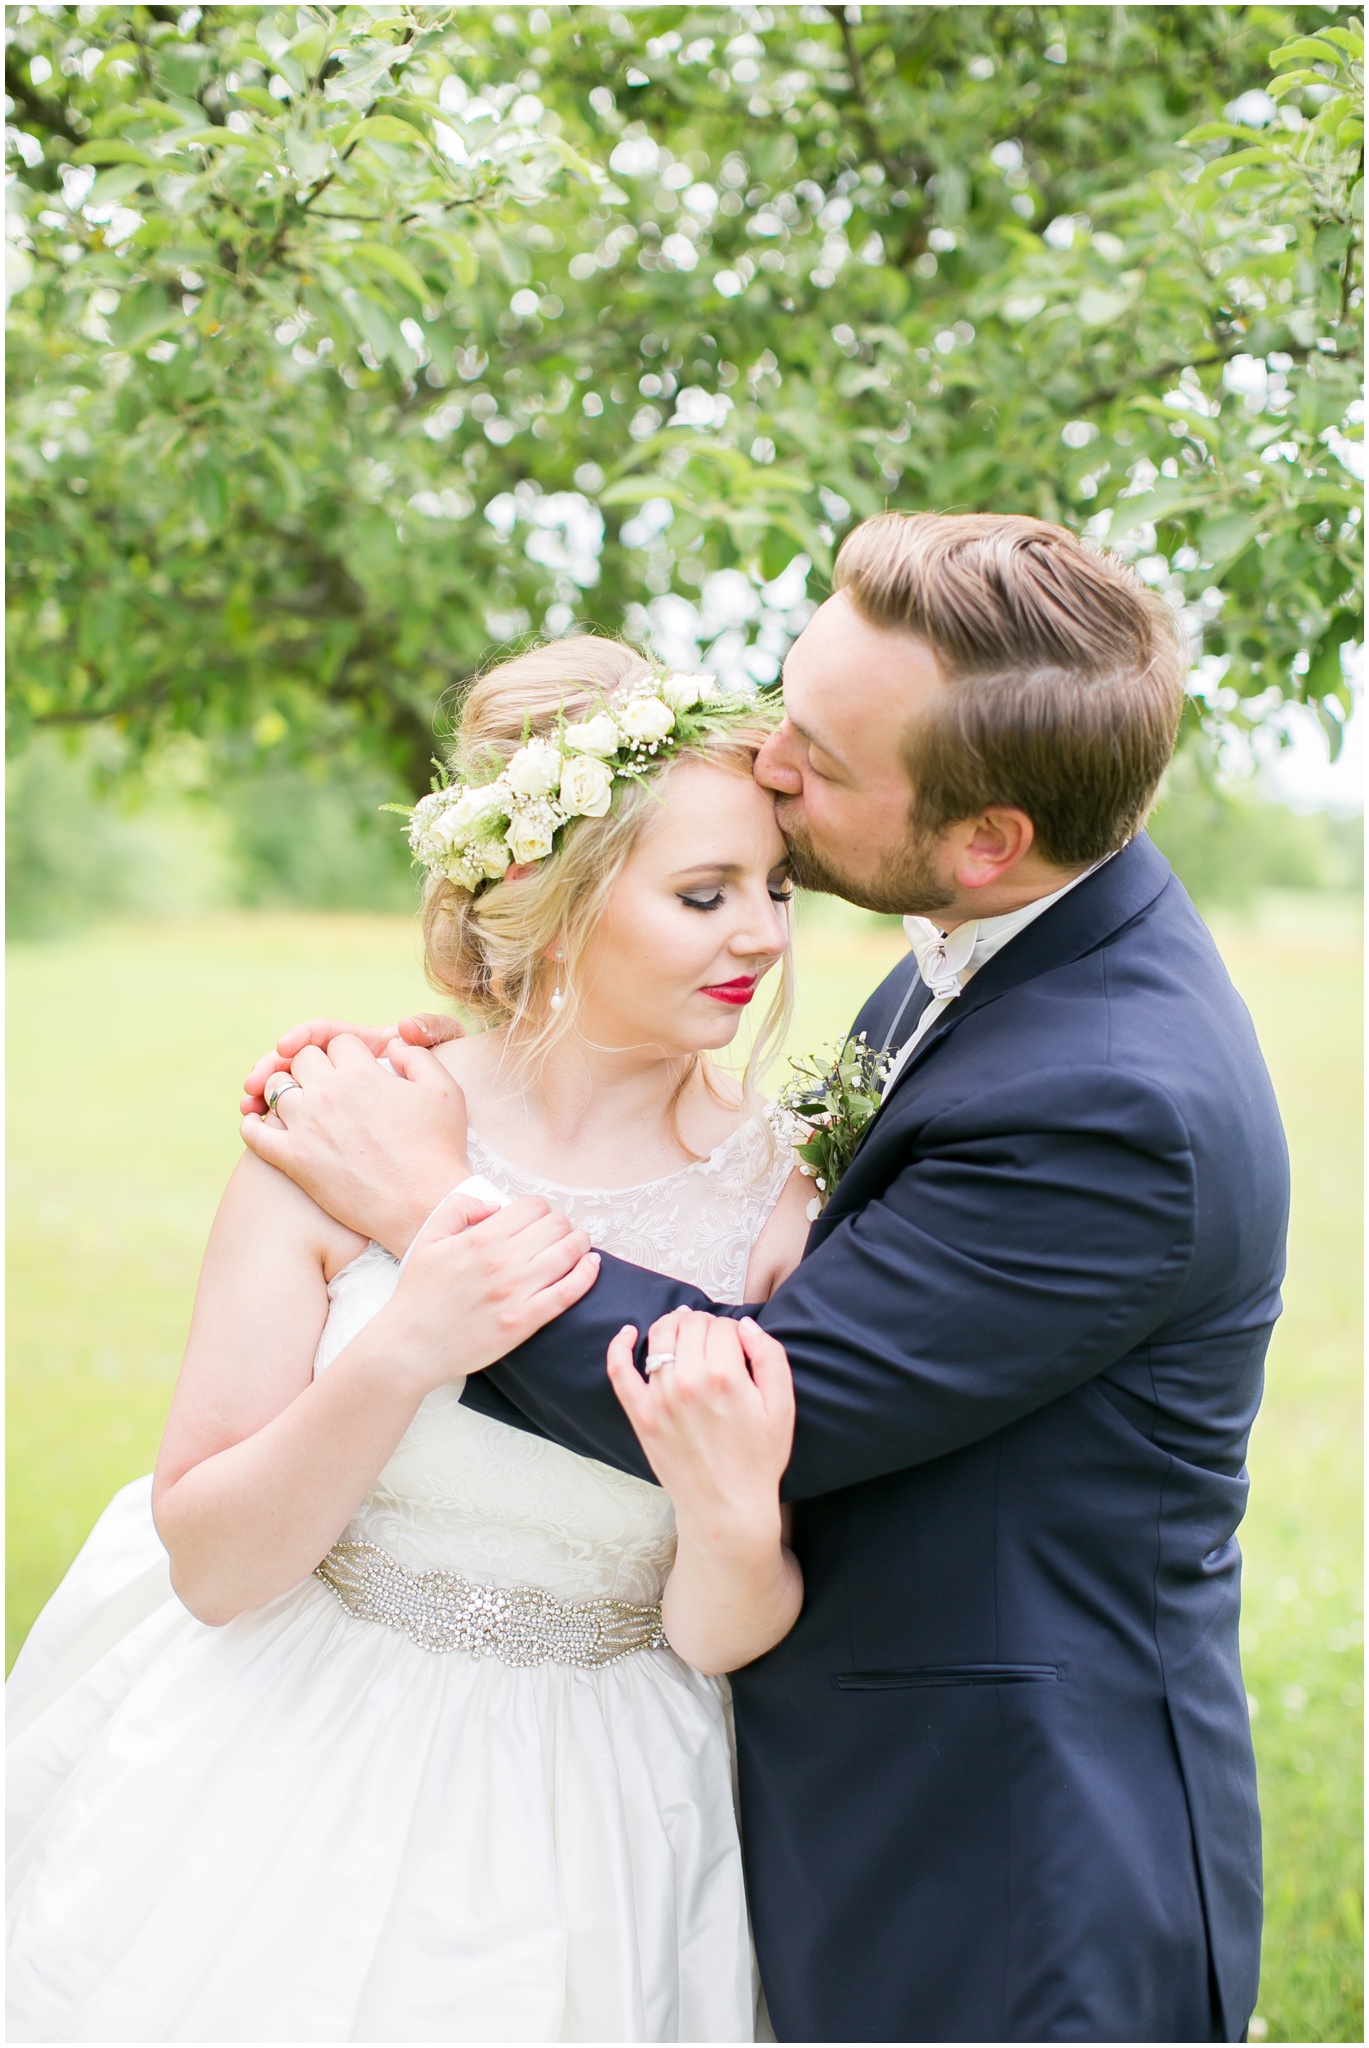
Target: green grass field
{"points": [[126, 1049]]}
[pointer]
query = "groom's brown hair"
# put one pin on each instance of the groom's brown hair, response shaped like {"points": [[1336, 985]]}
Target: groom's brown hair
{"points": [[1065, 673]]}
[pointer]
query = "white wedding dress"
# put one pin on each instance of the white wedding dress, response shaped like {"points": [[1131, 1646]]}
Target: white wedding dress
{"points": [[310, 1825]]}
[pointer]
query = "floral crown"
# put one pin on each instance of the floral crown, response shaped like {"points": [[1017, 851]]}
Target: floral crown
{"points": [[471, 831]]}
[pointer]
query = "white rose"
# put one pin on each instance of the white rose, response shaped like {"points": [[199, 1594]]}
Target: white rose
{"points": [[530, 834], [647, 718], [451, 832], [597, 735], [460, 814], [535, 770], [483, 802], [586, 787], [494, 857], [683, 692], [457, 825]]}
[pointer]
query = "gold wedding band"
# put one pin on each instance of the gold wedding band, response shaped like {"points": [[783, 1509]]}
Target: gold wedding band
{"points": [[656, 1359]]}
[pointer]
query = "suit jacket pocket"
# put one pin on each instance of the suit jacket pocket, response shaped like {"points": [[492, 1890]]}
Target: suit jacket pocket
{"points": [[947, 1674]]}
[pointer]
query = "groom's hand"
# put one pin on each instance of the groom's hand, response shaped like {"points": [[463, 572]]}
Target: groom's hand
{"points": [[426, 1028], [377, 1150]]}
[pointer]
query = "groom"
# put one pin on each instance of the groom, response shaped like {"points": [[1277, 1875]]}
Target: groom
{"points": [[998, 1783]]}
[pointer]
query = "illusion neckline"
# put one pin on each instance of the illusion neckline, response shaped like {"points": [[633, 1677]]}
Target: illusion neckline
{"points": [[562, 1187]]}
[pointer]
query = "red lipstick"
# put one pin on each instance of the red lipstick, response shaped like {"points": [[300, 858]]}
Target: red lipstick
{"points": [[739, 991]]}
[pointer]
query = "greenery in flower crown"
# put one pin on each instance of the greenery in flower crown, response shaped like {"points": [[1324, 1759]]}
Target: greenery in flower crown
{"points": [[472, 830], [835, 1094]]}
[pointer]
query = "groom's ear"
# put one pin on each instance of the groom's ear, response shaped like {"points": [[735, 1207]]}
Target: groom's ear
{"points": [[985, 849]]}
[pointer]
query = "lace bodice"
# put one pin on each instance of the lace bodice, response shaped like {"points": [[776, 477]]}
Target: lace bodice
{"points": [[464, 1493]]}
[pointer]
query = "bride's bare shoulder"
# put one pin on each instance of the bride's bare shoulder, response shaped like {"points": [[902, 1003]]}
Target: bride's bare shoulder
{"points": [[472, 1062], [779, 1247], [262, 1207]]}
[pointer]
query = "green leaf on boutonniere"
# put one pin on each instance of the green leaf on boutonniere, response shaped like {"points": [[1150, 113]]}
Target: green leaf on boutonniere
{"points": [[834, 1095]]}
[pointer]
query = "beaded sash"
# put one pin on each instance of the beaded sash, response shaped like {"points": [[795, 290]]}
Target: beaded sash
{"points": [[520, 1625]]}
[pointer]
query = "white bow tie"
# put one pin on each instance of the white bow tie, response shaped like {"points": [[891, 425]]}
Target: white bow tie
{"points": [[942, 957]]}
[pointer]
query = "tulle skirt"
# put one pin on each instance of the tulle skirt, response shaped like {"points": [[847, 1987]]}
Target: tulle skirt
{"points": [[302, 1827]]}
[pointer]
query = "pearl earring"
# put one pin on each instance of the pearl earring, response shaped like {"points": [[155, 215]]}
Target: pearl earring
{"points": [[558, 995]]}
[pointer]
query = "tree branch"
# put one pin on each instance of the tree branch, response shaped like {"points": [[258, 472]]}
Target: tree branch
{"points": [[892, 170], [296, 210], [1158, 374]]}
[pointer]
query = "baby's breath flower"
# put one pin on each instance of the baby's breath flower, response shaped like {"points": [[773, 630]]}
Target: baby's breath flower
{"points": [[495, 856]]}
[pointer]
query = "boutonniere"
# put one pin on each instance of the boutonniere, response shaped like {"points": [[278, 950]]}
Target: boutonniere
{"points": [[834, 1095]]}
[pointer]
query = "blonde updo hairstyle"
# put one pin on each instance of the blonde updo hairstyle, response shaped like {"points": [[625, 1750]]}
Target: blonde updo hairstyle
{"points": [[494, 952]]}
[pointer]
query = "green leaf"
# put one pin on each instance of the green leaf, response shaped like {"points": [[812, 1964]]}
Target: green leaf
{"points": [[292, 483], [579, 166], [374, 324], [1098, 308], [1331, 243], [211, 494], [465, 260], [1350, 40], [1161, 503], [635, 490], [383, 258], [307, 159], [112, 186], [1333, 727], [384, 128], [115, 152], [1215, 131], [1306, 50], [1224, 537], [216, 138], [1260, 153], [1325, 675], [144, 313], [777, 552], [183, 65]]}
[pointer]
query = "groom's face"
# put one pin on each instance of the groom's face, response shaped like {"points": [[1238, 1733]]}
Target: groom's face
{"points": [[836, 765]]}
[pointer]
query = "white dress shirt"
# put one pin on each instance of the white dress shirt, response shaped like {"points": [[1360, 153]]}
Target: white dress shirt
{"points": [[947, 960]]}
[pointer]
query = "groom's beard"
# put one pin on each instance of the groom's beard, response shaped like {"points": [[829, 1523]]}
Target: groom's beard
{"points": [[904, 884]]}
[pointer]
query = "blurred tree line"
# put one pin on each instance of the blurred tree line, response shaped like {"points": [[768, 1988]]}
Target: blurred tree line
{"points": [[347, 344]]}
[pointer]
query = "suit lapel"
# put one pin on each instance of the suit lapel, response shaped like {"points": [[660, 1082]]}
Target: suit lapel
{"points": [[1079, 922]]}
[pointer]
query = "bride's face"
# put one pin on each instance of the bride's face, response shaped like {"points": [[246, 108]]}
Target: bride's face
{"points": [[698, 916]]}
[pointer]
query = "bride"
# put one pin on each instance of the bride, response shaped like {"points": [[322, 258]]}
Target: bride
{"points": [[412, 1729]]}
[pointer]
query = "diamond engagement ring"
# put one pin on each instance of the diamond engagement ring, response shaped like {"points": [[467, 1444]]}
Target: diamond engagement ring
{"points": [[276, 1086], [656, 1359]]}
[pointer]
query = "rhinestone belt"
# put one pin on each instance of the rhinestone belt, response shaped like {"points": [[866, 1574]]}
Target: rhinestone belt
{"points": [[519, 1625]]}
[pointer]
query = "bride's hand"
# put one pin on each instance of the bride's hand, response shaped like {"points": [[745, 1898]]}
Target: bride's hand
{"points": [[716, 1424], [478, 1282], [425, 1029], [376, 1146]]}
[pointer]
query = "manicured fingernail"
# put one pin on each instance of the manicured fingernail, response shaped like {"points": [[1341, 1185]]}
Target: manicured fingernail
{"points": [[749, 1322]]}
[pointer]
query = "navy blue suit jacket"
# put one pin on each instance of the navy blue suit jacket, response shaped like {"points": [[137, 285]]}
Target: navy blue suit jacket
{"points": [[998, 1784]]}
